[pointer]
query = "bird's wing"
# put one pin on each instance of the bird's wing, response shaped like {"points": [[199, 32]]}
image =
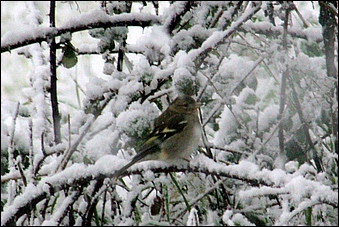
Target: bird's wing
{"points": [[164, 130]]}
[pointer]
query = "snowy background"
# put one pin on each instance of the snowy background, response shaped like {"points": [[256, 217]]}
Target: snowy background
{"points": [[268, 154]]}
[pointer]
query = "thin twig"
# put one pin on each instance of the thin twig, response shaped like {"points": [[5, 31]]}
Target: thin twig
{"points": [[90, 120], [305, 126], [231, 151], [256, 64], [103, 208], [201, 196], [306, 24], [31, 153], [23, 177], [73, 147], [223, 98], [43, 150], [69, 131], [280, 121]]}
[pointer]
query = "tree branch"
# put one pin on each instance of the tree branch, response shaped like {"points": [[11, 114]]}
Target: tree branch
{"points": [[220, 37], [305, 126], [283, 87], [179, 12], [328, 21], [94, 19], [82, 176], [54, 91]]}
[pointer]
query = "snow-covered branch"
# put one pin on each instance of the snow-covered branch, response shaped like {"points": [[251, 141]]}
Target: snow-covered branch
{"points": [[94, 19], [79, 175]]}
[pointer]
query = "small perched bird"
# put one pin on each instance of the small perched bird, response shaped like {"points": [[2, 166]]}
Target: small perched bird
{"points": [[176, 134]]}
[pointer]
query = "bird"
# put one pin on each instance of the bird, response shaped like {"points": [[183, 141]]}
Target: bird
{"points": [[175, 135]]}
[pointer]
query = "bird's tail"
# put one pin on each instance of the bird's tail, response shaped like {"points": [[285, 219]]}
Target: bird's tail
{"points": [[135, 159]]}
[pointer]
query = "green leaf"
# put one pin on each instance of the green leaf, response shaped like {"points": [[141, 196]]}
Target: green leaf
{"points": [[69, 58], [251, 99], [311, 49]]}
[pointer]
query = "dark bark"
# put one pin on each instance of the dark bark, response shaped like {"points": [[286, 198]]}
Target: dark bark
{"points": [[121, 57], [327, 19], [54, 90], [177, 18]]}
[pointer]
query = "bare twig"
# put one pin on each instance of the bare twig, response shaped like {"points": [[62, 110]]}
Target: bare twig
{"points": [[23, 177], [231, 151], [43, 150], [213, 112], [73, 147], [256, 64], [69, 130], [306, 24]]}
